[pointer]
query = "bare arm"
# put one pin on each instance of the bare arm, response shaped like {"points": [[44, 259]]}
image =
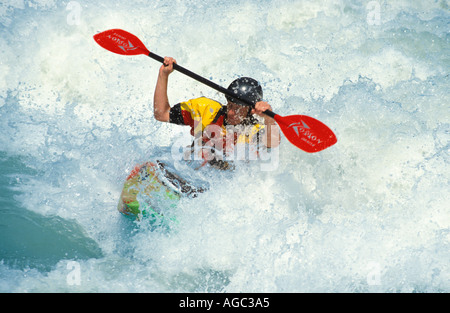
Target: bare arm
{"points": [[273, 137], [161, 106]]}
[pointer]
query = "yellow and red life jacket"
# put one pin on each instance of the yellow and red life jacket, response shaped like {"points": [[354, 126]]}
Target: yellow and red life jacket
{"points": [[202, 112]]}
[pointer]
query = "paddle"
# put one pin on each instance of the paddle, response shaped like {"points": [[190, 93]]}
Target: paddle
{"points": [[304, 132]]}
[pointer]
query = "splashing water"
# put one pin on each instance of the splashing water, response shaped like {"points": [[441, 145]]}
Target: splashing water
{"points": [[367, 214]]}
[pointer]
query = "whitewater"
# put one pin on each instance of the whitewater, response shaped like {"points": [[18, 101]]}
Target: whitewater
{"points": [[368, 214]]}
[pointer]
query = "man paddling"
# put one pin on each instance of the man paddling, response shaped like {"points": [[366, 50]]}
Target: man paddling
{"points": [[304, 132], [210, 121]]}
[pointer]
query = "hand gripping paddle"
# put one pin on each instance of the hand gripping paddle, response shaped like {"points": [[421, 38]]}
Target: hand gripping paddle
{"points": [[302, 131]]}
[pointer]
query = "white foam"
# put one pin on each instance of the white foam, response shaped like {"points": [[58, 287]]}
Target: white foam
{"points": [[373, 203]]}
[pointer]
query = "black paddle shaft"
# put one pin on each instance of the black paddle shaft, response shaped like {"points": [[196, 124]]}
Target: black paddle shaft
{"points": [[206, 81]]}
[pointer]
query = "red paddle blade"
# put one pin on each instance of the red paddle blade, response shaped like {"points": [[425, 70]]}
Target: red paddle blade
{"points": [[121, 42], [306, 133]]}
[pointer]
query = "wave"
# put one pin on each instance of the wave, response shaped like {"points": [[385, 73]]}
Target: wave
{"points": [[367, 215]]}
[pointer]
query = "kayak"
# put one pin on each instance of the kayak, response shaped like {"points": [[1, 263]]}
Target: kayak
{"points": [[152, 191]]}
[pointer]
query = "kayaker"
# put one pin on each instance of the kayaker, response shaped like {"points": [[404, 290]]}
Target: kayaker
{"points": [[209, 118]]}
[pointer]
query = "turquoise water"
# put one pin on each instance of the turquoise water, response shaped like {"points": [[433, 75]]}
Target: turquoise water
{"points": [[369, 214], [30, 240]]}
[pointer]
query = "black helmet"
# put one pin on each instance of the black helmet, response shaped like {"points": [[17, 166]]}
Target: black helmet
{"points": [[245, 88]]}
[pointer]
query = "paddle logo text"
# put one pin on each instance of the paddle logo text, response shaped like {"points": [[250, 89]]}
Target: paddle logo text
{"points": [[303, 132], [122, 42]]}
